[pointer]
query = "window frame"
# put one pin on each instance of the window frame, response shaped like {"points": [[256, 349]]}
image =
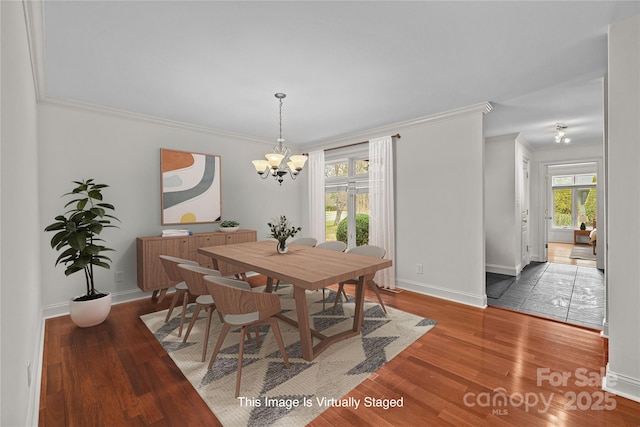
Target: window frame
{"points": [[353, 184], [574, 197]]}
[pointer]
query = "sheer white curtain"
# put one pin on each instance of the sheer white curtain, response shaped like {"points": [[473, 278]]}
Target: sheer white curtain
{"points": [[316, 196], [382, 218]]}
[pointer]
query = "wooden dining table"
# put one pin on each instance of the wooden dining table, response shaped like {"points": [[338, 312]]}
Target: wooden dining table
{"points": [[307, 269]]}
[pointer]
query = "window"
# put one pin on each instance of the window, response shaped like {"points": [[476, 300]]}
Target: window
{"points": [[573, 195], [347, 200]]}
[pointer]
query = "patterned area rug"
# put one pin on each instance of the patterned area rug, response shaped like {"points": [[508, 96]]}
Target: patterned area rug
{"points": [[270, 394]]}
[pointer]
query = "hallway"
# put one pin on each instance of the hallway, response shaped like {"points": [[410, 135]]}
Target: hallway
{"points": [[569, 293]]}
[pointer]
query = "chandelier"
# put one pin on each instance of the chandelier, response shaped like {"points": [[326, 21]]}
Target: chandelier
{"points": [[280, 162], [561, 136]]}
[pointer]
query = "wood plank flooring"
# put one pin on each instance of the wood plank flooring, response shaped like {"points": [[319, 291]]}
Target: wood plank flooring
{"points": [[560, 252], [117, 374]]}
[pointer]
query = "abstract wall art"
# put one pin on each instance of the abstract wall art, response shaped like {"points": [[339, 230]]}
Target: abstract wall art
{"points": [[190, 187]]}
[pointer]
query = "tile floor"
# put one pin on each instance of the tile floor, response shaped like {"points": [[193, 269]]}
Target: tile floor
{"points": [[570, 293]]}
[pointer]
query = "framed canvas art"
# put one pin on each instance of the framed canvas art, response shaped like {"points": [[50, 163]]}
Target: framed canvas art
{"points": [[190, 187]]}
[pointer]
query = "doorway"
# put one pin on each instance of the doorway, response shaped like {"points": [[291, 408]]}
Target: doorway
{"points": [[558, 284]]}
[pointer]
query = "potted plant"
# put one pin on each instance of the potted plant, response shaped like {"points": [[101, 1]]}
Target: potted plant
{"points": [[77, 232], [229, 226], [281, 230]]}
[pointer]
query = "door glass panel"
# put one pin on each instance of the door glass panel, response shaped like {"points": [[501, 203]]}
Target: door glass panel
{"points": [[587, 203], [362, 219], [562, 203], [336, 210]]}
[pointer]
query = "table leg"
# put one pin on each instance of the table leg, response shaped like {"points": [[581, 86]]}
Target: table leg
{"points": [[358, 316], [269, 288], [303, 322]]}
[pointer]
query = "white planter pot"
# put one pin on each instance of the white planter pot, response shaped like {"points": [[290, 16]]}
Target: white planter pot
{"points": [[229, 229], [90, 313]]}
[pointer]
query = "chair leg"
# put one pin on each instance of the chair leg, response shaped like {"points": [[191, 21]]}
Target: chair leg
{"points": [[277, 284], [374, 287], [163, 292], [338, 295], [240, 354], [206, 332], [174, 301], [276, 331], [192, 322], [185, 303], [223, 335], [323, 302]]}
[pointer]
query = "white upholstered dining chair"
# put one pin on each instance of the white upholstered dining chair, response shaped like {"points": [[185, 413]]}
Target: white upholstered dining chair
{"points": [[366, 250]]}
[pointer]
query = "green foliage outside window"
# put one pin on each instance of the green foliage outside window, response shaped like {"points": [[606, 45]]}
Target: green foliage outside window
{"points": [[362, 230], [562, 203]]}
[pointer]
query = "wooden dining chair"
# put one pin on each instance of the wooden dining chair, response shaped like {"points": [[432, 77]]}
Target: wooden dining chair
{"points": [[332, 245], [193, 276], [304, 241], [366, 250], [170, 265], [239, 306]]}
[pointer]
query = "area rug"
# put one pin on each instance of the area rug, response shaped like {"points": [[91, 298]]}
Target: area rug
{"points": [[497, 284], [270, 394], [582, 252]]}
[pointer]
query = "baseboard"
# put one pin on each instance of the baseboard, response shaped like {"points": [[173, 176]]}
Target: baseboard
{"points": [[444, 293], [621, 385], [33, 405], [605, 329], [62, 309], [502, 269]]}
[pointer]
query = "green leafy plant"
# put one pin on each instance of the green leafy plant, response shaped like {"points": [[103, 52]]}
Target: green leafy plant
{"points": [[77, 232], [281, 230], [229, 224], [362, 230]]}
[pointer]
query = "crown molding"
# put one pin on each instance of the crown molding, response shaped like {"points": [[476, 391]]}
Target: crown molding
{"points": [[483, 107], [114, 112], [34, 21]]}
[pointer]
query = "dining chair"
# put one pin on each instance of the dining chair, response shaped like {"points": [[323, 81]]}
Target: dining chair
{"points": [[366, 250], [170, 265], [304, 241], [193, 276], [239, 306], [332, 245]]}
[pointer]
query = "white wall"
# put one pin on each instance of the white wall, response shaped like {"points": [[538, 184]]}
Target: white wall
{"points": [[20, 315], [439, 208], [623, 369], [124, 152], [502, 231]]}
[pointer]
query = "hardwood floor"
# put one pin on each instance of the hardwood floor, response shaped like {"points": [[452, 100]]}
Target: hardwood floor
{"points": [[560, 252], [117, 374]]}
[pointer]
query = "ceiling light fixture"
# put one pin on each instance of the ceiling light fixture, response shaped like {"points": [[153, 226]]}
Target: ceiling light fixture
{"points": [[280, 154], [561, 136]]}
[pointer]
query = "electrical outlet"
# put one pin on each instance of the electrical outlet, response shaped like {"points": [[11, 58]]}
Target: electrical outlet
{"points": [[419, 268], [29, 373], [119, 276]]}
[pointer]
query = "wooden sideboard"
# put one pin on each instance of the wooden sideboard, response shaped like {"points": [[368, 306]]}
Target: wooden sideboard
{"points": [[151, 275]]}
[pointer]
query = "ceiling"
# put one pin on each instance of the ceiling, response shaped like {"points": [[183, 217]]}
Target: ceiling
{"points": [[345, 66]]}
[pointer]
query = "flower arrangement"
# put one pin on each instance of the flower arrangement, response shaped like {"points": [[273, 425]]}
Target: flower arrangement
{"points": [[281, 230]]}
